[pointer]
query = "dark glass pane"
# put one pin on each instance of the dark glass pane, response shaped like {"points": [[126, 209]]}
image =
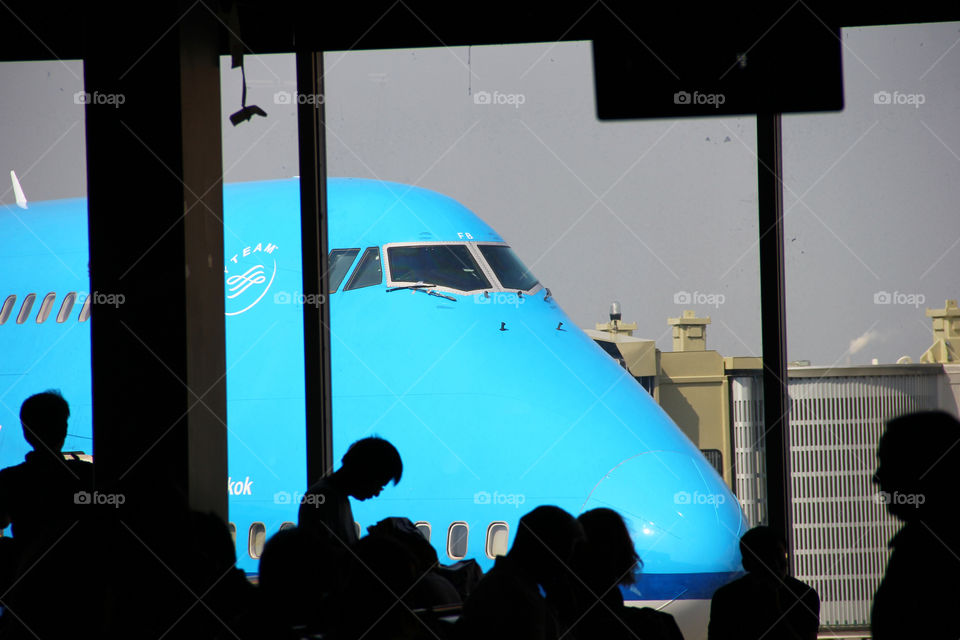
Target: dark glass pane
{"points": [[368, 272], [338, 265], [508, 268], [449, 266]]}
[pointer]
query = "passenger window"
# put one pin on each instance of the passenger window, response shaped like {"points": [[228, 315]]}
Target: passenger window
{"points": [[424, 529], [256, 539], [85, 311], [368, 272], [233, 533], [45, 307], [457, 540], [497, 534], [287, 525], [66, 307], [338, 265], [7, 308], [25, 309]]}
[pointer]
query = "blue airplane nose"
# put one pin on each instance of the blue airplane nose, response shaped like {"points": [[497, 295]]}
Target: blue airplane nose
{"points": [[681, 515]]}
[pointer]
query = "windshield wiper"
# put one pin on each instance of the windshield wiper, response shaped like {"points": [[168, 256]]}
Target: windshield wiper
{"points": [[425, 288]]}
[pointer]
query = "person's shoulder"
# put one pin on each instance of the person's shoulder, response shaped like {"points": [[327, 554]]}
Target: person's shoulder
{"points": [[8, 474], [733, 587]]}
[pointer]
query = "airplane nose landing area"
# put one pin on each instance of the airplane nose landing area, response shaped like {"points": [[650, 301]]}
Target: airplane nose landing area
{"points": [[685, 523]]}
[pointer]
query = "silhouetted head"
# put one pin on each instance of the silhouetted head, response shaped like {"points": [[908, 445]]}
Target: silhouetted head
{"points": [[611, 547], [44, 420], [368, 465], [764, 551], [545, 543], [917, 459]]}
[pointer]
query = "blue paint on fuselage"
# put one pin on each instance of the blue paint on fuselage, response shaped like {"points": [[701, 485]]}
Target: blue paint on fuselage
{"points": [[493, 408]]}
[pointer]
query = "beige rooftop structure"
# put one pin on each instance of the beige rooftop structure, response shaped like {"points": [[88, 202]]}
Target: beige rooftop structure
{"points": [[946, 335]]}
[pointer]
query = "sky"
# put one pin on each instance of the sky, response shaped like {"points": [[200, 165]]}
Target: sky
{"points": [[660, 215]]}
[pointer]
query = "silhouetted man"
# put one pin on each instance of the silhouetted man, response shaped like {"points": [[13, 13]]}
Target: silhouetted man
{"points": [[367, 467], [39, 497], [507, 603], [766, 603], [918, 456]]}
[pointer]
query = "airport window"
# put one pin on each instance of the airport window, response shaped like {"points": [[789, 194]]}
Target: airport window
{"points": [[338, 265], [424, 529], [66, 307], [457, 540], [443, 265], [85, 311], [256, 539], [497, 534], [233, 532], [368, 272], [45, 307], [287, 525], [25, 309], [508, 268], [7, 308]]}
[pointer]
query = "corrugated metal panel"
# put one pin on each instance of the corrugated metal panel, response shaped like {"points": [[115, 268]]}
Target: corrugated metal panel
{"points": [[840, 530]]}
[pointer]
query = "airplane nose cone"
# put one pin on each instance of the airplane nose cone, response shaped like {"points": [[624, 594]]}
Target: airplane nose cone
{"points": [[682, 516]]}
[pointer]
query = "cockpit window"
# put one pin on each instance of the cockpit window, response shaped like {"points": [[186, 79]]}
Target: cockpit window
{"points": [[338, 265], [368, 272], [508, 268], [443, 265]]}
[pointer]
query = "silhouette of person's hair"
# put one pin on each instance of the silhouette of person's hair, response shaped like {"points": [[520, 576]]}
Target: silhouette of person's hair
{"points": [[764, 549], [508, 602], [606, 561], [607, 534], [376, 457], [545, 541], [44, 419], [918, 457]]}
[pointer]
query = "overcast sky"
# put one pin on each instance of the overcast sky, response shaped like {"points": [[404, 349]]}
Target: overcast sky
{"points": [[648, 213]]}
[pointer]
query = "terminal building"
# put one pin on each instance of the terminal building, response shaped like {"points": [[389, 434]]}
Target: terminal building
{"points": [[840, 527]]}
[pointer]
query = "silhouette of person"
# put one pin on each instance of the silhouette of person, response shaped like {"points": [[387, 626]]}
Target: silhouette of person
{"points": [[918, 457], [507, 603], [366, 468], [606, 561], [766, 603], [40, 496]]}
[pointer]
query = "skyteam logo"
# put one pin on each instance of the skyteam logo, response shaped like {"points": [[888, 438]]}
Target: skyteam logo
{"points": [[249, 275]]}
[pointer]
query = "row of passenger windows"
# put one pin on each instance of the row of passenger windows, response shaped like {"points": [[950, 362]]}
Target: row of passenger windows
{"points": [[46, 307], [458, 534]]}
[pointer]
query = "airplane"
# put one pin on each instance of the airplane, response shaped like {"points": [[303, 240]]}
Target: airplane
{"points": [[442, 342]]}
